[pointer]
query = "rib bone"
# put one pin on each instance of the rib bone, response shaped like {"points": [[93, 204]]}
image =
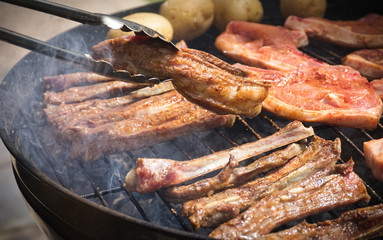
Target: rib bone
{"points": [[151, 174], [218, 208], [231, 176]]}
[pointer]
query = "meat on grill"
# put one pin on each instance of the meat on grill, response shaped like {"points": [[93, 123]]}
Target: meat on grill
{"points": [[367, 32], [361, 223], [82, 93], [218, 208], [373, 153], [378, 87], [67, 117], [102, 126], [150, 174], [265, 46], [199, 76], [231, 175], [329, 188], [303, 88], [369, 62], [61, 82]]}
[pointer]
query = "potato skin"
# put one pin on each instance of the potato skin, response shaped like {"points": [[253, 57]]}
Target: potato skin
{"points": [[189, 18], [152, 20], [303, 8], [242, 10]]}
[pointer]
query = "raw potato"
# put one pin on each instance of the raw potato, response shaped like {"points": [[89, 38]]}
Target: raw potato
{"points": [[152, 20], [241, 10], [190, 18], [303, 8]]}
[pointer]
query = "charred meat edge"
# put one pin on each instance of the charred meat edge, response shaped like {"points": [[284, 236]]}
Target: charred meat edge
{"points": [[361, 223], [231, 175], [329, 188], [200, 77], [151, 174], [218, 208]]}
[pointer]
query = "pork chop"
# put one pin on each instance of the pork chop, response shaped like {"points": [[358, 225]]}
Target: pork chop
{"points": [[367, 32], [303, 88], [369, 62]]}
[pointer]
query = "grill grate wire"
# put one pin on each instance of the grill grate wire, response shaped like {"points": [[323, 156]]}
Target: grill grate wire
{"points": [[105, 196]]}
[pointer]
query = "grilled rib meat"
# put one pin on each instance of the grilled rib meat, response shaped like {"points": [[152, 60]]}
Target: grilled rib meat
{"points": [[367, 32], [56, 113], [324, 190], [156, 119], [231, 176], [303, 88], [64, 81], [361, 223], [369, 62], [82, 93], [101, 126], [218, 208], [151, 174], [199, 76]]}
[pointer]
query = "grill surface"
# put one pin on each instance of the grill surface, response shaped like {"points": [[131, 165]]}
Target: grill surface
{"points": [[101, 182]]}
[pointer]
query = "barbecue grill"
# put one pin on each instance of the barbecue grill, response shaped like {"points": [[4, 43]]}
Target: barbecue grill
{"points": [[79, 200]]}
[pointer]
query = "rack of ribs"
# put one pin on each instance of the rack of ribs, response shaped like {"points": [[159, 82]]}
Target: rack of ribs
{"points": [[97, 127], [329, 188], [366, 32], [231, 175], [360, 223], [150, 174], [223, 206], [200, 77], [303, 88], [61, 82]]}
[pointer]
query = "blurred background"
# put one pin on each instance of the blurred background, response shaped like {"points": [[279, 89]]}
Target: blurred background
{"points": [[15, 219]]}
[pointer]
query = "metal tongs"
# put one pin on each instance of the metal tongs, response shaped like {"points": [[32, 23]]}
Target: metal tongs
{"points": [[84, 60]]}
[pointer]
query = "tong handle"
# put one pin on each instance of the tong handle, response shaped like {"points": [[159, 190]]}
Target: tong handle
{"points": [[84, 60], [59, 10]]}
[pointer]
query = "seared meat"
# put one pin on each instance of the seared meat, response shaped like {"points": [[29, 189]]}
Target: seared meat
{"points": [[367, 32], [101, 126], [361, 223], [199, 76], [152, 120], [369, 62], [151, 174], [324, 190], [55, 113], [377, 85], [70, 117], [231, 176], [373, 153], [100, 90], [304, 88], [218, 208], [63, 81]]}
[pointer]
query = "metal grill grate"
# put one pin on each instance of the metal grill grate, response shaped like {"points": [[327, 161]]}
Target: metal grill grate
{"points": [[102, 181]]}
